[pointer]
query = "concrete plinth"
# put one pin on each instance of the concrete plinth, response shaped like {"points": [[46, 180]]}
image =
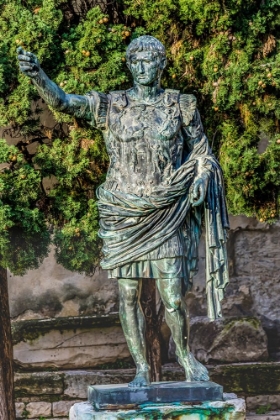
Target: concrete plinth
{"points": [[231, 408]]}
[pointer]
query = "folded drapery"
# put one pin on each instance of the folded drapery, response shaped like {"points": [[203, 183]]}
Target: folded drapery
{"points": [[131, 226]]}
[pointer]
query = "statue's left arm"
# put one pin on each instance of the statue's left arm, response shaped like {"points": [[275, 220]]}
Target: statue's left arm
{"points": [[196, 143], [207, 187]]}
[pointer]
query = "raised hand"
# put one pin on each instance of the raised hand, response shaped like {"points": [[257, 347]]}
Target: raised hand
{"points": [[54, 96], [28, 63]]}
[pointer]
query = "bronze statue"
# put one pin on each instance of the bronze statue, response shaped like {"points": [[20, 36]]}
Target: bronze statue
{"points": [[162, 181]]}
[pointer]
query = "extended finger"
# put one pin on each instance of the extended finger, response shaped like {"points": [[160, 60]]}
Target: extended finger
{"points": [[20, 50], [28, 65], [30, 54], [26, 68], [22, 57]]}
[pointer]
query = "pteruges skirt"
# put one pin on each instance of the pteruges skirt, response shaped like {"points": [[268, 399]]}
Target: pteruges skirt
{"points": [[166, 268]]}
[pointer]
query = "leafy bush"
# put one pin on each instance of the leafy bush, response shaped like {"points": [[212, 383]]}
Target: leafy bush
{"points": [[225, 52]]}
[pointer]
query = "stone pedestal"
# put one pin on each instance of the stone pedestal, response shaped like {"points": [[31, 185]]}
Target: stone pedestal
{"points": [[231, 408], [164, 400]]}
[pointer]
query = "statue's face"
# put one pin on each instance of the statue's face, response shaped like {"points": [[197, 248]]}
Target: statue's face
{"points": [[145, 68]]}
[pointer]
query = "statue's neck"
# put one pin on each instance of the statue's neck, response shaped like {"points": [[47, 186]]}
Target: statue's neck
{"points": [[146, 93]]}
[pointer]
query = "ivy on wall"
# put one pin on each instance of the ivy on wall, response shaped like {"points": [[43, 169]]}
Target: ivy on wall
{"points": [[225, 52]]}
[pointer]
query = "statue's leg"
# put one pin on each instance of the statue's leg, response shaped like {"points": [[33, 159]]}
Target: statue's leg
{"points": [[133, 324], [175, 315]]}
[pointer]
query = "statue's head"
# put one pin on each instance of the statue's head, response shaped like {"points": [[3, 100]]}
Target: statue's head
{"points": [[146, 59]]}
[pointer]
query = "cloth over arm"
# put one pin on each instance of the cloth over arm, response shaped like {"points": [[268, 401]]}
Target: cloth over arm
{"points": [[213, 212]]}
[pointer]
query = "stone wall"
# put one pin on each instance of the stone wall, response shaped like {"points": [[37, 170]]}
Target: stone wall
{"points": [[52, 291], [51, 394]]}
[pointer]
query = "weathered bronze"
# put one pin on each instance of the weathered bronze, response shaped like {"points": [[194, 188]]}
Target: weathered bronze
{"points": [[162, 180]]}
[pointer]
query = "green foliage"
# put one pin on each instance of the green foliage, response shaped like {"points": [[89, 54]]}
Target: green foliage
{"points": [[24, 236], [263, 409], [226, 53], [93, 56]]}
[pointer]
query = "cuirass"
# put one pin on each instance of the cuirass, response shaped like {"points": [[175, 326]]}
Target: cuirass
{"points": [[144, 141]]}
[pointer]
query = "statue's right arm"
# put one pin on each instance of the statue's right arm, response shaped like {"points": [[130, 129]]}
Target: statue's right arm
{"points": [[76, 105]]}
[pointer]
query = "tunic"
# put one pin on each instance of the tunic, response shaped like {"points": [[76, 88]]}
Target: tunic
{"points": [[146, 143]]}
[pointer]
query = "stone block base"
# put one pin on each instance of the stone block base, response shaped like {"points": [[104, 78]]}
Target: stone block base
{"points": [[231, 408]]}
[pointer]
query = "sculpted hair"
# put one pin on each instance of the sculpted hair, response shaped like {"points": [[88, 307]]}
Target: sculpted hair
{"points": [[146, 43]]}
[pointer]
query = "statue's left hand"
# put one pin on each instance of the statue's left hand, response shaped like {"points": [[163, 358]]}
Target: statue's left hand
{"points": [[198, 191]]}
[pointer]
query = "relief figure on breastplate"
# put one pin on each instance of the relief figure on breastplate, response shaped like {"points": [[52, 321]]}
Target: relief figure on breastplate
{"points": [[163, 182]]}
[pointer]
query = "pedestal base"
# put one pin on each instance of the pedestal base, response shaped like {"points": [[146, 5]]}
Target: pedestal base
{"points": [[112, 397], [231, 408]]}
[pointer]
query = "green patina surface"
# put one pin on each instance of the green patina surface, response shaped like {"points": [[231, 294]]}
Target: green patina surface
{"points": [[179, 414], [227, 410]]}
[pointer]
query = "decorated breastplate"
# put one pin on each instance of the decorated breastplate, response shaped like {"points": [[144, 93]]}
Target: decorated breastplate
{"points": [[130, 120], [145, 142]]}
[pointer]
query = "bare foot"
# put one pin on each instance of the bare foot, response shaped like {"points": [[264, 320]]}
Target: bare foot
{"points": [[194, 370], [142, 379]]}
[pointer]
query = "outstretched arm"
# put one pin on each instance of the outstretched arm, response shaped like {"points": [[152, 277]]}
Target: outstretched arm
{"points": [[76, 105]]}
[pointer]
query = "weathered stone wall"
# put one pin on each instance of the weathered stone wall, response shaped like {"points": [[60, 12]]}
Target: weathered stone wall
{"points": [[54, 292], [51, 395], [69, 343]]}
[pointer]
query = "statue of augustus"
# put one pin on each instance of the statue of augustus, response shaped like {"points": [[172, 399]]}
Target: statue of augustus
{"points": [[162, 183]]}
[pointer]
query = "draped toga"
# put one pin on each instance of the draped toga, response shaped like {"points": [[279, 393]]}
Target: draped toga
{"points": [[148, 225]]}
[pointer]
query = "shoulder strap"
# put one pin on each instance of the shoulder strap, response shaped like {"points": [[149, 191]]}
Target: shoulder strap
{"points": [[99, 107], [187, 104], [171, 96], [118, 98]]}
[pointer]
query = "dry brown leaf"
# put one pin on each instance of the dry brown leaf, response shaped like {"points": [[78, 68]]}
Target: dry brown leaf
{"points": [[48, 132], [176, 46], [86, 143], [269, 45]]}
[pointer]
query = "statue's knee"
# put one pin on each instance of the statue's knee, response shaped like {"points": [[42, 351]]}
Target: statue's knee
{"points": [[128, 294], [173, 303]]}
